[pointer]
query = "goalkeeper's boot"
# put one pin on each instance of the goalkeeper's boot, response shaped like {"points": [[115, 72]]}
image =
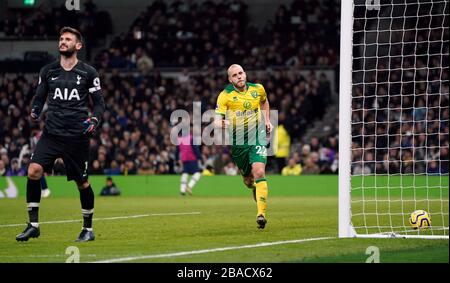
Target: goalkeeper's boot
{"points": [[261, 221], [86, 236], [29, 232]]}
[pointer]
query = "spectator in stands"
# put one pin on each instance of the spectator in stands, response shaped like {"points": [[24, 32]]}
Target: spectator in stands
{"points": [[2, 168], [283, 143], [230, 169], [306, 150], [360, 169], [326, 159], [310, 166], [128, 168], [444, 159], [59, 168], [408, 163], [15, 169], [208, 171], [118, 61], [96, 169], [114, 169], [146, 169], [433, 168], [142, 61], [292, 169]]}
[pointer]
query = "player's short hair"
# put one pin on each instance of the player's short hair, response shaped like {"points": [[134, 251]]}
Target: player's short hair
{"points": [[72, 31], [232, 66]]}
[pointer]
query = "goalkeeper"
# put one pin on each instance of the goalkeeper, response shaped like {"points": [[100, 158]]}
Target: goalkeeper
{"points": [[239, 105], [66, 85]]}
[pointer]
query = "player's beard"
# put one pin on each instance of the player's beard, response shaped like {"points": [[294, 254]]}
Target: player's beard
{"points": [[240, 85], [67, 53]]}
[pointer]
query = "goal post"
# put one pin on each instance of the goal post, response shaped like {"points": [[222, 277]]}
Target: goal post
{"points": [[345, 139], [393, 117]]}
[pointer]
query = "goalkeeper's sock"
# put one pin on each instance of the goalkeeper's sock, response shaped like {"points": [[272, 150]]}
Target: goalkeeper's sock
{"points": [[87, 206], [194, 180], [261, 196], [184, 179], [33, 200]]}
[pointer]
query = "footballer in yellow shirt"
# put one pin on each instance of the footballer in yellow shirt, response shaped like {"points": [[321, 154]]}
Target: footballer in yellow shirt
{"points": [[239, 108]]}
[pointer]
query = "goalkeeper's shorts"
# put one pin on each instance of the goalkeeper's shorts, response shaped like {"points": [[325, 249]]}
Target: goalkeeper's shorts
{"points": [[73, 151]]}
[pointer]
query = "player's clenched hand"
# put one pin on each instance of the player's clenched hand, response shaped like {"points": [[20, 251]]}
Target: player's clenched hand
{"points": [[35, 112], [269, 128], [89, 125]]}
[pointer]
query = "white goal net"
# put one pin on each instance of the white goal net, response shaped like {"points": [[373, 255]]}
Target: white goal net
{"points": [[394, 111]]}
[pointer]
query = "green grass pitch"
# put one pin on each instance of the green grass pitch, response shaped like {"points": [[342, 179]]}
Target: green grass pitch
{"points": [[151, 222]]}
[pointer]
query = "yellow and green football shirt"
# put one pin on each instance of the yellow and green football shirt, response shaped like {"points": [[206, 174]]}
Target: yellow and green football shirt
{"points": [[242, 109]]}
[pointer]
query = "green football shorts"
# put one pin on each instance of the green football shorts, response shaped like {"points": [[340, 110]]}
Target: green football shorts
{"points": [[245, 155]]}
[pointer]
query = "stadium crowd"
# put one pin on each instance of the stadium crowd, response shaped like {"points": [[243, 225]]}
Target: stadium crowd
{"points": [[45, 22], [134, 136], [217, 34], [400, 101]]}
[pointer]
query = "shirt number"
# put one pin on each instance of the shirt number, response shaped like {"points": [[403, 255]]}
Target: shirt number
{"points": [[261, 150]]}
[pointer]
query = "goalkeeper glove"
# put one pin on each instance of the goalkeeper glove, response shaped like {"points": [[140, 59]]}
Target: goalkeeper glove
{"points": [[35, 113], [89, 125]]}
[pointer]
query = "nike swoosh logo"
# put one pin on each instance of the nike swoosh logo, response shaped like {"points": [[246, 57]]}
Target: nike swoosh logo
{"points": [[54, 78]]}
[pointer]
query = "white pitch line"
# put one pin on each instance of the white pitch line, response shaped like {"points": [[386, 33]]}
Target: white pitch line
{"points": [[44, 256], [109, 218], [122, 259]]}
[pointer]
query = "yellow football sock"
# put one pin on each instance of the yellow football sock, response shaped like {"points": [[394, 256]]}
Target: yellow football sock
{"points": [[261, 196]]}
